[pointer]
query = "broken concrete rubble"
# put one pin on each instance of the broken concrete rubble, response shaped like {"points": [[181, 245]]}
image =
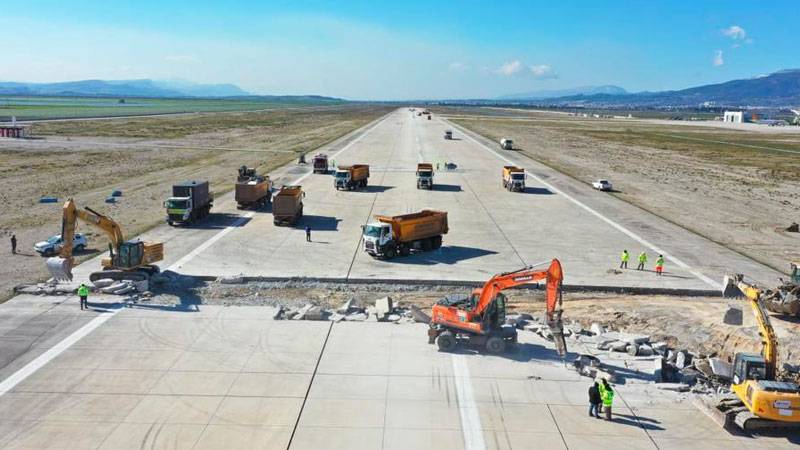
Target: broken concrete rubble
{"points": [[383, 306]]}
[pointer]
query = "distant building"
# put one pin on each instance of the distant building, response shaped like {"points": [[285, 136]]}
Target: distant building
{"points": [[14, 131], [737, 117]]}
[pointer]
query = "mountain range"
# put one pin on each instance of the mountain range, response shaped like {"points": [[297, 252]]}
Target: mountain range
{"points": [[123, 88], [776, 89], [556, 93]]}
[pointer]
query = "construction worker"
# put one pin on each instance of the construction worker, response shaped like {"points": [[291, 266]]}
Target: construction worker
{"points": [[660, 265], [607, 394], [642, 261], [594, 400], [308, 233], [13, 244], [624, 260], [83, 293]]}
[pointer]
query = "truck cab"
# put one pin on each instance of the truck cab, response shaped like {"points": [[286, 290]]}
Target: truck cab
{"points": [[448, 135], [342, 179], [179, 209], [377, 237], [507, 144], [425, 176], [516, 181]]}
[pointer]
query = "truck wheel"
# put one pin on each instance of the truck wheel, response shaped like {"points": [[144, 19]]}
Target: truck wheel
{"points": [[426, 245], [365, 182], [405, 251], [495, 345], [437, 242], [446, 342], [171, 223], [389, 253]]}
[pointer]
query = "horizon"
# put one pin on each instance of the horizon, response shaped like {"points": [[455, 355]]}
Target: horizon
{"points": [[410, 52]]}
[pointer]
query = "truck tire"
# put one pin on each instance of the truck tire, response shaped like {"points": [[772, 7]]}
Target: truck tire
{"points": [[170, 223], [495, 345], [404, 250], [446, 341], [366, 181], [426, 245], [389, 253], [436, 242]]}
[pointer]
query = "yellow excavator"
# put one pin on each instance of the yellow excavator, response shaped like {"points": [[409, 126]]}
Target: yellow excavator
{"points": [[132, 260], [761, 401]]}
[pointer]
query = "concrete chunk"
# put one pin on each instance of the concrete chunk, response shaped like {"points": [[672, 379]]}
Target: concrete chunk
{"points": [[356, 317], [336, 317], [345, 308], [315, 313], [103, 282], [419, 315], [597, 329], [676, 387], [301, 313], [383, 306], [721, 368]]}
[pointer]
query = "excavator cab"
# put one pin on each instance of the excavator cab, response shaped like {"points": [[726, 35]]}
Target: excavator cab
{"points": [[749, 366], [130, 255], [795, 272]]}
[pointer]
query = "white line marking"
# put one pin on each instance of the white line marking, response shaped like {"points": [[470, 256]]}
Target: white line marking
{"points": [[605, 219], [205, 245], [30, 368], [470, 418]]}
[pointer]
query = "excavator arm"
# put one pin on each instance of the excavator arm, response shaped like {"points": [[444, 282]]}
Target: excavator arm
{"points": [[769, 340], [497, 283], [60, 267]]}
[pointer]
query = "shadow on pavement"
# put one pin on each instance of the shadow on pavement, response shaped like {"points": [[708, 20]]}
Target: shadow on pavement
{"points": [[217, 221], [450, 254], [538, 191], [319, 223], [447, 187]]}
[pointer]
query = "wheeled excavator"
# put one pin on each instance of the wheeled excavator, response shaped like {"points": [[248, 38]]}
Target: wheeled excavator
{"points": [[128, 260], [479, 319], [760, 400]]}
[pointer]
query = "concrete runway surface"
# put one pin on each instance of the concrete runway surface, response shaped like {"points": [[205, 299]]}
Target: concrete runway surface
{"points": [[231, 377]]}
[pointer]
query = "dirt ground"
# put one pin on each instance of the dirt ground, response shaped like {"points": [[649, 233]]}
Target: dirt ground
{"points": [[738, 188], [691, 323], [142, 157]]}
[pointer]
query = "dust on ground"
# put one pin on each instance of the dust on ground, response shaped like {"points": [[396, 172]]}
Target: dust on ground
{"points": [[737, 188], [142, 157]]}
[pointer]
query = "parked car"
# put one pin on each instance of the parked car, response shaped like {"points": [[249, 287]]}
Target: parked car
{"points": [[53, 245], [602, 185]]}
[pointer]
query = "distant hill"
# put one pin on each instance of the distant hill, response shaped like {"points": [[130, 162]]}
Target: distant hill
{"points": [[583, 90], [123, 88], [776, 89]]}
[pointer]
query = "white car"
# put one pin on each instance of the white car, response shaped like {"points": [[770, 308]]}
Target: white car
{"points": [[602, 185], [53, 245]]}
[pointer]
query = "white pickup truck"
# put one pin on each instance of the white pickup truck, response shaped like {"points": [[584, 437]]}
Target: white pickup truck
{"points": [[53, 245], [602, 185]]}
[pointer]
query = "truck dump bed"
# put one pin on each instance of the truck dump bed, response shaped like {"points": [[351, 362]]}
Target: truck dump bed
{"points": [[287, 202], [424, 224], [422, 167], [357, 171], [252, 190], [507, 170]]}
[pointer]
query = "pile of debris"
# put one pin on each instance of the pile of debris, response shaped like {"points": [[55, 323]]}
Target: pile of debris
{"points": [[383, 310], [121, 287]]}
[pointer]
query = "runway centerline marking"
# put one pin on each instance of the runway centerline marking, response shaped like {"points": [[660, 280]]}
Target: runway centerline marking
{"points": [[471, 427], [605, 219]]}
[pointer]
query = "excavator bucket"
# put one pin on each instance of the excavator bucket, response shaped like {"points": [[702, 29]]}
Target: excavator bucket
{"points": [[60, 268]]}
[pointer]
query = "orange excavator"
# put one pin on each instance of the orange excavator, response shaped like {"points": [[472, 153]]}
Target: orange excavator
{"points": [[479, 319]]}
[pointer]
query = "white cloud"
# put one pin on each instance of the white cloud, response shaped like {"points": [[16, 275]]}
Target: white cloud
{"points": [[510, 68], [543, 72], [183, 59], [456, 66], [734, 32], [718, 61]]}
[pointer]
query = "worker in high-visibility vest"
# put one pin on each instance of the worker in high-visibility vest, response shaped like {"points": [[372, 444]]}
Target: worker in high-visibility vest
{"points": [[83, 293], [624, 259], [660, 265], [642, 261], [607, 395]]}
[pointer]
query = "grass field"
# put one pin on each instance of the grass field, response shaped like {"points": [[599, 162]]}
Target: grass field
{"points": [[38, 108]]}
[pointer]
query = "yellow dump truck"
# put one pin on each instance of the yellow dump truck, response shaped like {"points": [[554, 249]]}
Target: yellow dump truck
{"points": [[252, 190], [425, 176], [351, 177], [287, 206], [388, 236], [514, 178]]}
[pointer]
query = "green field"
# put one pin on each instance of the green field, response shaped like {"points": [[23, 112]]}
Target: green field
{"points": [[37, 108]]}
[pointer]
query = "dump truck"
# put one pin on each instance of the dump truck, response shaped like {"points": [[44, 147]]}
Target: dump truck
{"points": [[388, 236], [514, 178], [448, 135], [252, 190], [425, 176], [320, 163], [506, 144], [351, 177], [287, 206], [190, 201]]}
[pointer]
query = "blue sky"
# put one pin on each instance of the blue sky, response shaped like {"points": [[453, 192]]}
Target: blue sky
{"points": [[401, 50]]}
